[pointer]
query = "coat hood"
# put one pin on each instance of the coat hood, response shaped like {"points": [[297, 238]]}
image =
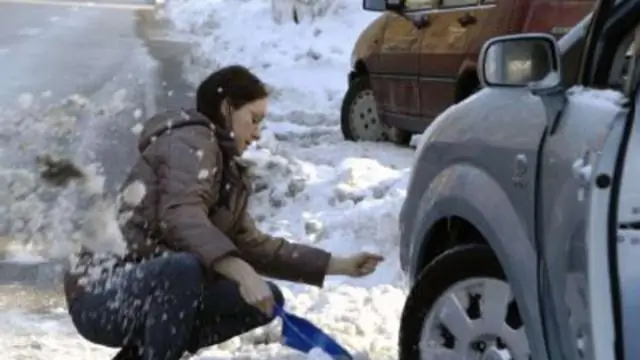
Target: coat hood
{"points": [[163, 123]]}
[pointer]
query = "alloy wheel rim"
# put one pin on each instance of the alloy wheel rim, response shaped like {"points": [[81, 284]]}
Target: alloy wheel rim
{"points": [[474, 320]]}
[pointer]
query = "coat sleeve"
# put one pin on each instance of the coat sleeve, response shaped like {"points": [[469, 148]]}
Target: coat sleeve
{"points": [[186, 169], [278, 258]]}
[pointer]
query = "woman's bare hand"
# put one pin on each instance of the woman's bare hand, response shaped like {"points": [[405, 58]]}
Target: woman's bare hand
{"points": [[256, 292], [253, 288]]}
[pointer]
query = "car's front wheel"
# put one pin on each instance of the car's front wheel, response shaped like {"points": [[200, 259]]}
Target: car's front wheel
{"points": [[461, 307], [360, 120]]}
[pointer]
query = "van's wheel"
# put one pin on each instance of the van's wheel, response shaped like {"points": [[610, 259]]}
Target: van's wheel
{"points": [[359, 118], [462, 312]]}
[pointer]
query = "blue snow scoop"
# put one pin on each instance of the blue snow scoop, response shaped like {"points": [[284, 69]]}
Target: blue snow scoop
{"points": [[302, 335]]}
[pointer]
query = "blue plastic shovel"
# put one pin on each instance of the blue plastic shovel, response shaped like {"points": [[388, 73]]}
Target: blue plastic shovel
{"points": [[302, 335]]}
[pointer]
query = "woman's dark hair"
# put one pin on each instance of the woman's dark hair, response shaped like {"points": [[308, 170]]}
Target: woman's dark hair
{"points": [[235, 83]]}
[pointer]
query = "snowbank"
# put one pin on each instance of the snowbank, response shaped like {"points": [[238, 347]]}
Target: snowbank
{"points": [[306, 64]]}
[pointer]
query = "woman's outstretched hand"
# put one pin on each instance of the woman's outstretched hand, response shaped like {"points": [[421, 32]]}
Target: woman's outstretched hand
{"points": [[357, 265]]}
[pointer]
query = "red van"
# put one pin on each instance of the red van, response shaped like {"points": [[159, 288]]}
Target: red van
{"points": [[411, 64]]}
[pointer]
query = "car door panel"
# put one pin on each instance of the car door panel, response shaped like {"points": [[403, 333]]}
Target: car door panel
{"points": [[367, 49], [556, 17], [627, 267], [566, 157], [624, 264], [442, 52], [398, 67], [493, 19]]}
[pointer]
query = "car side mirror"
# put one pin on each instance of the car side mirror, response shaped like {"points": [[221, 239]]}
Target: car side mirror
{"points": [[519, 61], [383, 5]]}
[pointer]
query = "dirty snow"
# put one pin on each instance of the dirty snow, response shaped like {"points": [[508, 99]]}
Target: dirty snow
{"points": [[310, 185]]}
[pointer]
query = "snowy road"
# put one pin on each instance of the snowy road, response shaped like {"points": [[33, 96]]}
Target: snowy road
{"points": [[313, 186], [73, 81], [63, 49]]}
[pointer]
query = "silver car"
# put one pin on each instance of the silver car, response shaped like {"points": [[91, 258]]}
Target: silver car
{"points": [[521, 224]]}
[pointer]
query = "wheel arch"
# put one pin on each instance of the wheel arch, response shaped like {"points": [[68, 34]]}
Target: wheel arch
{"points": [[456, 201], [467, 82], [360, 69], [446, 233]]}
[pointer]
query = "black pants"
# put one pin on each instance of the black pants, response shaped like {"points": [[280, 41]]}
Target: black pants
{"points": [[159, 309]]}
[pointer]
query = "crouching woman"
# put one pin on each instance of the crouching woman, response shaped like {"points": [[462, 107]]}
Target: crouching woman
{"points": [[191, 276]]}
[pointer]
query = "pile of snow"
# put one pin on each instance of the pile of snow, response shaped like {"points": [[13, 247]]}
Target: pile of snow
{"points": [[305, 64], [39, 221]]}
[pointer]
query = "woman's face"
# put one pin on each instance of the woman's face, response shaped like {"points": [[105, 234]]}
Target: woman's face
{"points": [[246, 121]]}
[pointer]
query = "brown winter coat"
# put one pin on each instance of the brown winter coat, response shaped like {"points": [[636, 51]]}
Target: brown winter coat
{"points": [[195, 200]]}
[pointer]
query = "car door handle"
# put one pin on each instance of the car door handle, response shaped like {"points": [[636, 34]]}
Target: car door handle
{"points": [[520, 167], [581, 170], [467, 20], [421, 22]]}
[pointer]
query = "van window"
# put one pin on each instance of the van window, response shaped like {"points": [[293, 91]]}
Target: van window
{"points": [[458, 3], [419, 4]]}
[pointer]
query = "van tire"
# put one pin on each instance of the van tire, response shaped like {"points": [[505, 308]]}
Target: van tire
{"points": [[359, 120]]}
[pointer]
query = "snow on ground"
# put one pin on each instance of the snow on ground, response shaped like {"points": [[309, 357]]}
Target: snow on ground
{"points": [[311, 185], [306, 64]]}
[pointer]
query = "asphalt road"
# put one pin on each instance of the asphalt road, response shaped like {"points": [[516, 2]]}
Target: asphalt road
{"points": [[115, 54]]}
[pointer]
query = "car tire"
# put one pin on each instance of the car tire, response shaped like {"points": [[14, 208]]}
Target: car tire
{"points": [[359, 119], [437, 284]]}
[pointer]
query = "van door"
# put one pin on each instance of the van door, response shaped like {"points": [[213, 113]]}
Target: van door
{"points": [[556, 17], [398, 67], [442, 52]]}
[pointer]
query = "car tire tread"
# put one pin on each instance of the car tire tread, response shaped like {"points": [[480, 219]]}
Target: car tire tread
{"points": [[454, 265]]}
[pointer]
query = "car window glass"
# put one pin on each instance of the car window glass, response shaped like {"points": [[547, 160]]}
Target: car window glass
{"points": [[623, 63], [571, 47], [631, 75], [419, 4], [458, 3]]}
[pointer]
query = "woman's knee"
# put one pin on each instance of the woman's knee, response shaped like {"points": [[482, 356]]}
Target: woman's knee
{"points": [[94, 322], [183, 267]]}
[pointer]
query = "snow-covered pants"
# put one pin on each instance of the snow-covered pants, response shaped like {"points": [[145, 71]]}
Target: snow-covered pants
{"points": [[161, 308]]}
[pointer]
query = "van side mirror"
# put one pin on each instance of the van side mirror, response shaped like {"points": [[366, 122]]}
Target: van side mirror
{"points": [[383, 5], [519, 60]]}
